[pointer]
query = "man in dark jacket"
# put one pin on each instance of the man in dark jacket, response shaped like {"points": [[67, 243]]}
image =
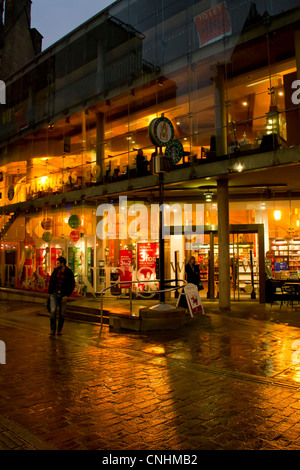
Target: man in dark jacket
{"points": [[61, 286]]}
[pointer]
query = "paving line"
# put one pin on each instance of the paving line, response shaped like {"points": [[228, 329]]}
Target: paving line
{"points": [[13, 435]]}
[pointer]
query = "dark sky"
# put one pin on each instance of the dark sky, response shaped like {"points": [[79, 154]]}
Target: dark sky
{"points": [[56, 18]]}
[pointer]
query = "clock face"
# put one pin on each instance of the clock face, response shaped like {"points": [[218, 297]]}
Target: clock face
{"points": [[161, 131], [174, 150]]}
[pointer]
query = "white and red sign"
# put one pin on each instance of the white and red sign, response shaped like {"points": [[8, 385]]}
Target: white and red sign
{"points": [[193, 299], [213, 24], [125, 263]]}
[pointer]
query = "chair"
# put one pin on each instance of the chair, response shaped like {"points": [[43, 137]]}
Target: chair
{"points": [[274, 291], [287, 294]]}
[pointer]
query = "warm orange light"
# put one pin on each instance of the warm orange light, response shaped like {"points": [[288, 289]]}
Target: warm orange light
{"points": [[277, 215]]}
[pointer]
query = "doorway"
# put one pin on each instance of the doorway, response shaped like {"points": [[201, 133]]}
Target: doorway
{"points": [[247, 264]]}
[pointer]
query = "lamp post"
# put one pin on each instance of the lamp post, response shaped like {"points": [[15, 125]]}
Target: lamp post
{"points": [[161, 132]]}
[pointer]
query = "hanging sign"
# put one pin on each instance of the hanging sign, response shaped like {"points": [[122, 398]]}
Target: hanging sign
{"points": [[125, 258], [193, 299], [161, 131], [11, 193], [74, 221], [213, 24], [46, 224], [175, 151], [74, 236], [47, 236]]}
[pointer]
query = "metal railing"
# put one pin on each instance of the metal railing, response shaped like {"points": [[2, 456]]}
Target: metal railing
{"points": [[183, 281]]}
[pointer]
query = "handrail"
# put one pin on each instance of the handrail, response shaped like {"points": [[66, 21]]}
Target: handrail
{"points": [[141, 282]]}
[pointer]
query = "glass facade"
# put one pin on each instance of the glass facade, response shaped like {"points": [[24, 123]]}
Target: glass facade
{"points": [[224, 74]]}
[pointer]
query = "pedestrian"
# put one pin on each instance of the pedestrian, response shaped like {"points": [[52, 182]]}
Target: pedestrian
{"points": [[61, 286], [192, 272], [141, 163]]}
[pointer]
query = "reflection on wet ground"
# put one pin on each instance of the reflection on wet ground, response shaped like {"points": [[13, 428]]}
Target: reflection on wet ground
{"points": [[256, 344], [227, 381]]}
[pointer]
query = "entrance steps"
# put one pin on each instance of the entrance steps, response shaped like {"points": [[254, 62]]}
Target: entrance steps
{"points": [[159, 317]]}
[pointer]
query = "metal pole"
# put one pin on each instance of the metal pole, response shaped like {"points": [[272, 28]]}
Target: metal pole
{"points": [[161, 239], [130, 298], [211, 267], [101, 309]]}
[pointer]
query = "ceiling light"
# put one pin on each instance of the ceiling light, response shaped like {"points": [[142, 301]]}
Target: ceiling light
{"points": [[277, 215], [208, 196], [261, 81]]}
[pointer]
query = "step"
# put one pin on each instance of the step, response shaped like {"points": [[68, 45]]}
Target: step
{"points": [[92, 314], [85, 308], [84, 316]]}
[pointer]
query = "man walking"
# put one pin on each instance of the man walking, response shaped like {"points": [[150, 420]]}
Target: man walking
{"points": [[61, 286]]}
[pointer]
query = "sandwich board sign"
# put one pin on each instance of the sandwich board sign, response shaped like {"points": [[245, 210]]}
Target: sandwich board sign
{"points": [[193, 299]]}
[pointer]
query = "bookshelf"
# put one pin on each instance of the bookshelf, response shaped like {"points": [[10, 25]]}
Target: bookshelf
{"points": [[286, 255]]}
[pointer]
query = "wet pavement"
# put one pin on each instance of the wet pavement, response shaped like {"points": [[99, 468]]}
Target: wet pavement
{"points": [[227, 381]]}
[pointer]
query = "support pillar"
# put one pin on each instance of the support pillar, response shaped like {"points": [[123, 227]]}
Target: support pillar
{"points": [[223, 242], [211, 291]]}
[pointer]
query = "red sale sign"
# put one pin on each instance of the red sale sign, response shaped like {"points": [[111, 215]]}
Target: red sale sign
{"points": [[125, 262], [147, 254], [213, 24]]}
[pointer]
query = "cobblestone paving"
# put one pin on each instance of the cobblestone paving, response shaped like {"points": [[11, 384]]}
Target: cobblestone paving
{"points": [[223, 384]]}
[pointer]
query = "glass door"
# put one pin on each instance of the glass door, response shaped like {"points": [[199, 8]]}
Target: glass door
{"points": [[244, 265]]}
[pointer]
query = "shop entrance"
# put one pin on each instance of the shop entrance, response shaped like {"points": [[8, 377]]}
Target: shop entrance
{"points": [[247, 264]]}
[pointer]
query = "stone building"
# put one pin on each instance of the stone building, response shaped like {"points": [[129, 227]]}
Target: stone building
{"points": [[19, 43]]}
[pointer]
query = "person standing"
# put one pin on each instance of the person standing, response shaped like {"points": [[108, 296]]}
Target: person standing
{"points": [[192, 272], [61, 286]]}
